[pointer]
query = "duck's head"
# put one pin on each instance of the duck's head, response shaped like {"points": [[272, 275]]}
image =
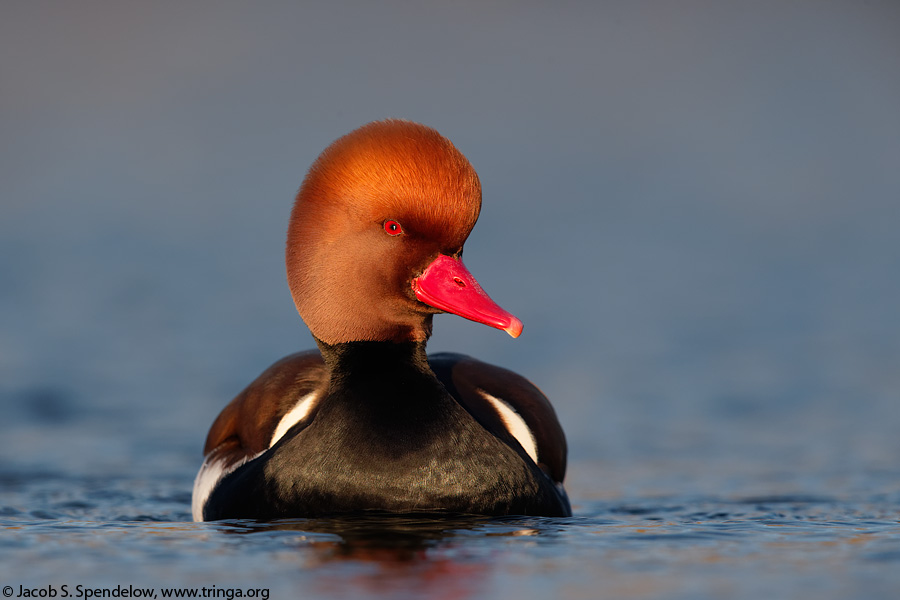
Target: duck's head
{"points": [[376, 236]]}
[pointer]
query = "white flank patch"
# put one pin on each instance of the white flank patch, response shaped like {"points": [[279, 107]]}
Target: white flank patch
{"points": [[294, 416], [515, 424], [211, 473]]}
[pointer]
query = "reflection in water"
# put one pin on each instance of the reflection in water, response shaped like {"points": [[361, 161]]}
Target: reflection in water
{"points": [[380, 553]]}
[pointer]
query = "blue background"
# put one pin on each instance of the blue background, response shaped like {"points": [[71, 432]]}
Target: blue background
{"points": [[693, 207]]}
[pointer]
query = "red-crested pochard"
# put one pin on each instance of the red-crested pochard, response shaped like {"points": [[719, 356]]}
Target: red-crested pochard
{"points": [[369, 422]]}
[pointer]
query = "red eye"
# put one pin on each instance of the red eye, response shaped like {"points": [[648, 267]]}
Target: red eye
{"points": [[392, 228]]}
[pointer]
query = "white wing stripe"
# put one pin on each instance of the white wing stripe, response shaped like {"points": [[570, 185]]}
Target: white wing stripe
{"points": [[294, 416], [515, 424]]}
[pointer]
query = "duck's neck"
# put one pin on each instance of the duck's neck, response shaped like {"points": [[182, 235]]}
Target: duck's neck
{"points": [[377, 361], [377, 389]]}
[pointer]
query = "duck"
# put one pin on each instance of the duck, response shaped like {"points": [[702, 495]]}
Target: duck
{"points": [[368, 421]]}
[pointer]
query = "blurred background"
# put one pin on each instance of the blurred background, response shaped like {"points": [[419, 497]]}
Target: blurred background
{"points": [[692, 206]]}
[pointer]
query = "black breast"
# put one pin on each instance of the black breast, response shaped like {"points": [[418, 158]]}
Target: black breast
{"points": [[386, 436]]}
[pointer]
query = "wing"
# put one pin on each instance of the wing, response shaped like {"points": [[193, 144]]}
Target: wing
{"points": [[249, 421], [506, 404], [281, 397]]}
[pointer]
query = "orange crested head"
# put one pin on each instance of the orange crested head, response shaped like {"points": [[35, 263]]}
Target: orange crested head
{"points": [[376, 209]]}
